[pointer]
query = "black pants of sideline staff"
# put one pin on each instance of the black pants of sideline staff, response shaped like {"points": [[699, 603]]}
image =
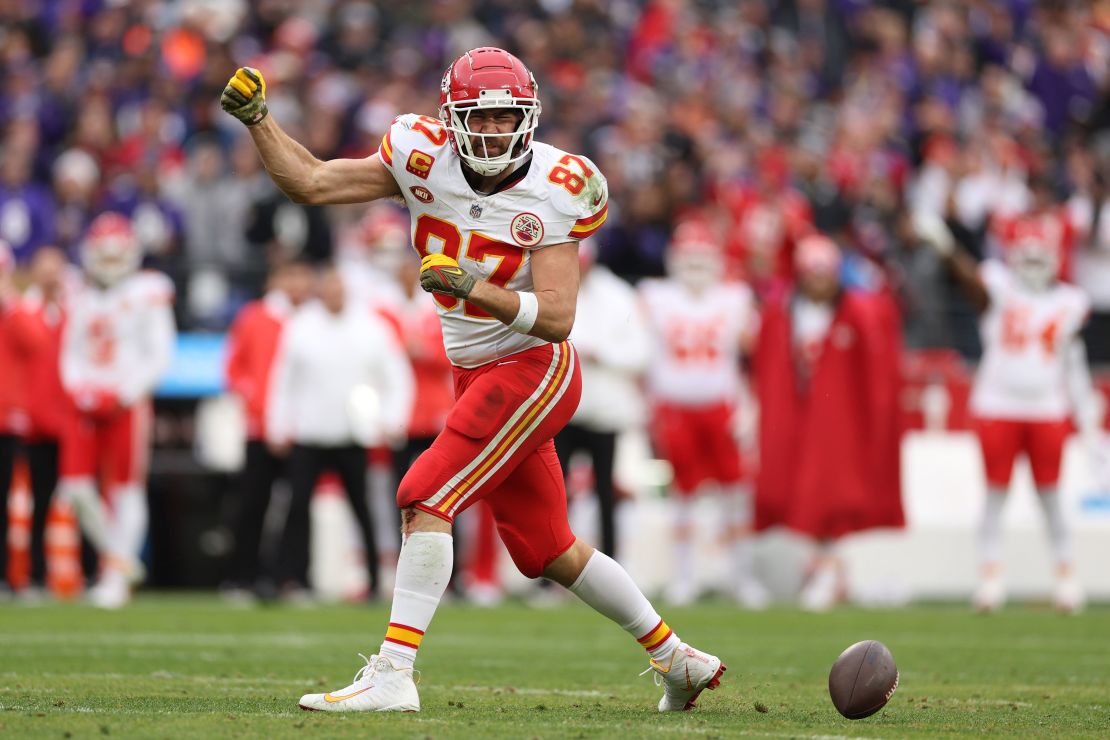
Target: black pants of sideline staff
{"points": [[306, 463], [601, 447], [248, 569], [42, 464]]}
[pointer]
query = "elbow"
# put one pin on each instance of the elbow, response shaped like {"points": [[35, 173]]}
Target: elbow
{"points": [[303, 189], [563, 324], [559, 331], [303, 197]]}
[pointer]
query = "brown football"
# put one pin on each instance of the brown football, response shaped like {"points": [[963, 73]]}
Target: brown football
{"points": [[863, 679]]}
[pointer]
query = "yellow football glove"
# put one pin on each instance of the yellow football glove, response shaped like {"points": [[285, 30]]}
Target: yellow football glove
{"points": [[441, 274], [245, 96]]}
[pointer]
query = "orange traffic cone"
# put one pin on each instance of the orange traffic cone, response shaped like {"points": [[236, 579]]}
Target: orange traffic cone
{"points": [[19, 528], [62, 541]]}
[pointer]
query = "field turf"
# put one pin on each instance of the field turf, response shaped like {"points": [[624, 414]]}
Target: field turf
{"points": [[174, 667]]}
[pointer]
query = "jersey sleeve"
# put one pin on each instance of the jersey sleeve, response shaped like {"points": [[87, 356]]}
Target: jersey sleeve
{"points": [[1080, 309], [156, 289], [159, 334], [581, 194], [385, 149], [411, 147]]}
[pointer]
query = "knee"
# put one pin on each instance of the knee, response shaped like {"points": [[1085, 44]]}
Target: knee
{"points": [[568, 565], [547, 559], [408, 493], [528, 563], [414, 520], [74, 491]]}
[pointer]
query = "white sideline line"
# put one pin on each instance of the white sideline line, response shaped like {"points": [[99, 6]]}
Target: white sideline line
{"points": [[76, 709], [172, 638], [528, 691], [160, 676]]}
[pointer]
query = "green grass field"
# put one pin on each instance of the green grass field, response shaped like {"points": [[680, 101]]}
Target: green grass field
{"points": [[177, 667]]}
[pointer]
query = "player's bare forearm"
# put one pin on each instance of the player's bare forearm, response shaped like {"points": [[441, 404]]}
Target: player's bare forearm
{"points": [[555, 318], [289, 164], [306, 179], [555, 285], [966, 271]]}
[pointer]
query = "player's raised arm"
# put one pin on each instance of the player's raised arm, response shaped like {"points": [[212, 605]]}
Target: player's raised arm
{"points": [[294, 169], [547, 312], [933, 231]]}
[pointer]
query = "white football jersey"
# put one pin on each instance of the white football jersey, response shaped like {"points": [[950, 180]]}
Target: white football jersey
{"points": [[1026, 335], [698, 340], [561, 198], [121, 338]]}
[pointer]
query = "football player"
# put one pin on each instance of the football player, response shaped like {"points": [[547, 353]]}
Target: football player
{"points": [[117, 342], [1032, 377], [497, 217], [701, 326]]}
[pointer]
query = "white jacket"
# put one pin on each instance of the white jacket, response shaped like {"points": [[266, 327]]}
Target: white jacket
{"points": [[321, 363], [614, 346]]}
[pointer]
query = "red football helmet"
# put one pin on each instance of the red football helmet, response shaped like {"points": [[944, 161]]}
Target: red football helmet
{"points": [[488, 78], [1032, 248], [110, 251], [694, 255]]}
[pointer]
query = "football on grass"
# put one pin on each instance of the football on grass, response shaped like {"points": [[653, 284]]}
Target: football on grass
{"points": [[863, 679]]}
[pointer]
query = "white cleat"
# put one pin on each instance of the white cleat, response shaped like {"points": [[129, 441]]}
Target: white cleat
{"points": [[823, 591], [684, 676], [681, 592], [378, 687], [112, 591], [751, 594], [990, 596], [1069, 597]]}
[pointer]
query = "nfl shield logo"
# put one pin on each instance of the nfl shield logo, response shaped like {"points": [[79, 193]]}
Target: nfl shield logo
{"points": [[475, 210]]}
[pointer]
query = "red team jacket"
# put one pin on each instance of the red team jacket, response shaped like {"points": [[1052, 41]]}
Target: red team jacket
{"points": [[829, 447], [35, 331], [252, 343], [418, 331], [13, 402]]}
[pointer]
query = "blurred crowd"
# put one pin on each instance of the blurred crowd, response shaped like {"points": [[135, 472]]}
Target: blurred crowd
{"points": [[762, 116]]}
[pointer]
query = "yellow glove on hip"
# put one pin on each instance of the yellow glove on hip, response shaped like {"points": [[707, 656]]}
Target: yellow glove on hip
{"points": [[441, 274]]}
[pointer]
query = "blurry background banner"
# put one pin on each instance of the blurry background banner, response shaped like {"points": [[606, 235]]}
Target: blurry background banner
{"points": [[197, 368]]}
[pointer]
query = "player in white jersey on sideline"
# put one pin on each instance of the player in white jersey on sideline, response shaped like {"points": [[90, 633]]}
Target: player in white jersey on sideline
{"points": [[701, 327], [497, 217], [1032, 381], [117, 343]]}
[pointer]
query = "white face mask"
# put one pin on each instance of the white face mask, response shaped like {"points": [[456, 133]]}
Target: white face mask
{"points": [[695, 272], [110, 263], [455, 119], [1036, 269]]}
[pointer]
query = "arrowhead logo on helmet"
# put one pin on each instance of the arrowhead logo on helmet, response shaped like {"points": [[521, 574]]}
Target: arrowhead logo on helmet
{"points": [[489, 78]]}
